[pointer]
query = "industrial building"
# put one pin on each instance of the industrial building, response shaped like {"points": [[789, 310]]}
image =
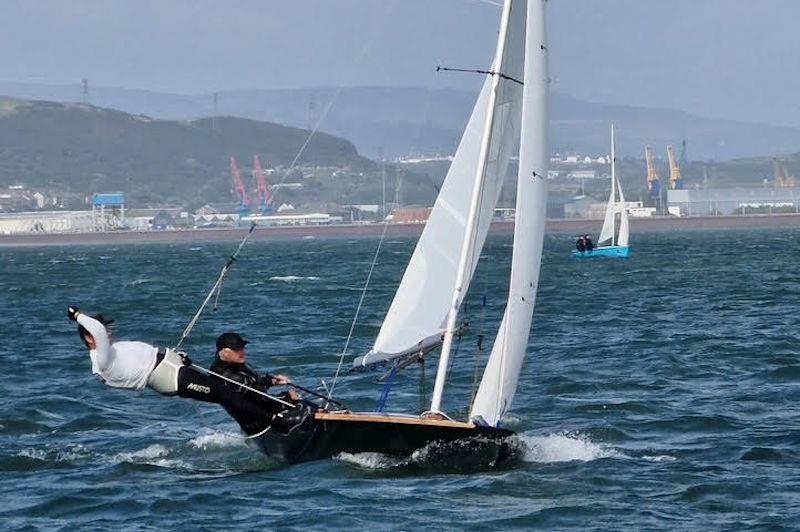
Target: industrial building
{"points": [[47, 222], [727, 201], [108, 211]]}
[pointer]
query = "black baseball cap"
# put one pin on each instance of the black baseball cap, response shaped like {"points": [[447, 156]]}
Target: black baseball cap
{"points": [[230, 339]]}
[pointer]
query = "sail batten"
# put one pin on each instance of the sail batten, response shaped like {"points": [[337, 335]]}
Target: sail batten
{"points": [[498, 385]]}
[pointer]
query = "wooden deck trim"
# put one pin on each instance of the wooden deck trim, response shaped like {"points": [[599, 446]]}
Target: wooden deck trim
{"points": [[398, 420]]}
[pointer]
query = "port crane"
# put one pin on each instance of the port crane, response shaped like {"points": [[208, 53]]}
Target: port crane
{"points": [[239, 188], [675, 180], [264, 195], [782, 176], [653, 182]]}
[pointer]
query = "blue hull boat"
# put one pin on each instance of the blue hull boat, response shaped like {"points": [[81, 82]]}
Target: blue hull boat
{"points": [[605, 251]]}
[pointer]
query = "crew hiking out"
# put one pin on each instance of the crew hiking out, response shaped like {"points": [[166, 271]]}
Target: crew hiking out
{"points": [[137, 365]]}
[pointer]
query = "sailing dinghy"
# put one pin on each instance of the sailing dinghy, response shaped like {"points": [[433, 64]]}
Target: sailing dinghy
{"points": [[511, 108], [616, 245]]}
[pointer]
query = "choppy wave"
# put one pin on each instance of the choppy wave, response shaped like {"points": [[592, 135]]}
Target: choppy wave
{"points": [[70, 453], [157, 455], [150, 452], [293, 278], [218, 440], [658, 458], [565, 447]]}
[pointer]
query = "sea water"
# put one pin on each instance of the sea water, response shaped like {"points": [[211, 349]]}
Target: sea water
{"points": [[659, 392]]}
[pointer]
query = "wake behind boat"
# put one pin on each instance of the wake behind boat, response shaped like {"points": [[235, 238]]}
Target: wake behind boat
{"points": [[617, 244], [511, 108]]}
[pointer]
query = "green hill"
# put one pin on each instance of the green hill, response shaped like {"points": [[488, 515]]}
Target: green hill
{"points": [[84, 149]]}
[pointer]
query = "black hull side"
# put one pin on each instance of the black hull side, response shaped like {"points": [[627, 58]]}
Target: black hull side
{"points": [[319, 439]]}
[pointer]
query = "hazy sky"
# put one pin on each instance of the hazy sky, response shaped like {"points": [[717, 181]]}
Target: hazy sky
{"points": [[736, 59]]}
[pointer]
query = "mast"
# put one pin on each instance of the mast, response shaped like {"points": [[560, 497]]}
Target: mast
{"points": [[466, 247]]}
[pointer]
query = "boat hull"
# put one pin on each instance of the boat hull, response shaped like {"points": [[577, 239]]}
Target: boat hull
{"points": [[605, 251], [328, 434]]}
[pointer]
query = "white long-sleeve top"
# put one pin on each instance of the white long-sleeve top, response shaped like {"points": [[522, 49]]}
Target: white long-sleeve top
{"points": [[121, 364]]}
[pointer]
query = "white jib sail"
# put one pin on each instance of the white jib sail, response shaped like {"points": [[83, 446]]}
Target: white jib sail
{"points": [[624, 230], [417, 315], [499, 383]]}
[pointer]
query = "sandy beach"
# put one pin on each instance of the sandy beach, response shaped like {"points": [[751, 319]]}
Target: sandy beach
{"points": [[572, 226]]}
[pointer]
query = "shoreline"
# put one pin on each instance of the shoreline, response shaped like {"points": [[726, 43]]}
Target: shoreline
{"points": [[556, 226]]}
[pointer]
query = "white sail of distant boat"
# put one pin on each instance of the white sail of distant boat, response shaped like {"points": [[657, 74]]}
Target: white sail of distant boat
{"points": [[607, 233], [610, 243]]}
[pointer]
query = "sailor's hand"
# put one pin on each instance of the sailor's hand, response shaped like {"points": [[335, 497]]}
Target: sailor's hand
{"points": [[72, 313], [280, 379], [293, 396], [185, 359]]}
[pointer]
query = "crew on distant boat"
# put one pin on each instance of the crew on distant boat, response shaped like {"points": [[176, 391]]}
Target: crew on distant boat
{"points": [[580, 245], [254, 413], [588, 242]]}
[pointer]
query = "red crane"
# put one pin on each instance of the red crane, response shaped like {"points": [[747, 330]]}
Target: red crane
{"points": [[261, 182], [238, 185]]}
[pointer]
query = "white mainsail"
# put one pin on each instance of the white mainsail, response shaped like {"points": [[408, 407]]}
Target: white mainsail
{"points": [[417, 316], [607, 232], [500, 377]]}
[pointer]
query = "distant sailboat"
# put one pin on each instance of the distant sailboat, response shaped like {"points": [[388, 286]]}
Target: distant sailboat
{"points": [[616, 245], [511, 108]]}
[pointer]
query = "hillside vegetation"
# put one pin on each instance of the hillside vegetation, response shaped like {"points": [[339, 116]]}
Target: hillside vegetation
{"points": [[85, 149]]}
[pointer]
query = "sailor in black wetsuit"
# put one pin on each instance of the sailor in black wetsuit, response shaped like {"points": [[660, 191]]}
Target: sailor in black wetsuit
{"points": [[254, 412]]}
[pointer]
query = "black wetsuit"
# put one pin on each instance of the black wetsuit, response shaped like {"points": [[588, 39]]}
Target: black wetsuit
{"points": [[580, 245], [589, 244], [252, 411]]}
